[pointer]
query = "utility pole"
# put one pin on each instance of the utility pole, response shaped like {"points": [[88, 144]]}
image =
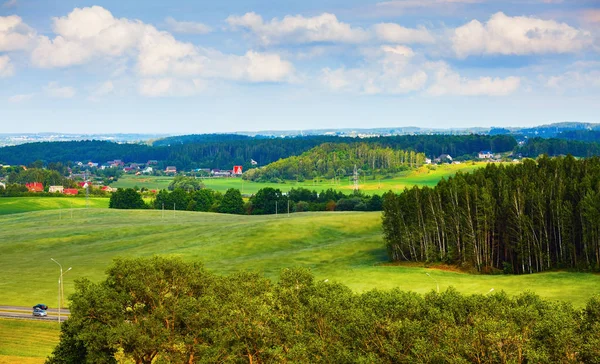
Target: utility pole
{"points": [[163, 210], [355, 179], [275, 207], [288, 207]]}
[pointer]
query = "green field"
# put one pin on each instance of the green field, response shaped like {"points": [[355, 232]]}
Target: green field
{"points": [[13, 205], [343, 247], [424, 176], [23, 341]]}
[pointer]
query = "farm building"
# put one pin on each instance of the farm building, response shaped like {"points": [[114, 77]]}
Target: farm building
{"points": [[171, 169], [70, 191], [56, 189], [35, 187], [486, 154]]}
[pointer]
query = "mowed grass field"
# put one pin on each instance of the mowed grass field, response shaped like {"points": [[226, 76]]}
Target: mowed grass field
{"points": [[27, 342], [13, 205], [342, 247], [424, 176]]}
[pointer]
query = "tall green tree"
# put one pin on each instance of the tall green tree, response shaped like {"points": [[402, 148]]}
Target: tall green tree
{"points": [[232, 202], [127, 198]]}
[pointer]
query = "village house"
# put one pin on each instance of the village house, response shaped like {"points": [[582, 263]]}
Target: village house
{"points": [[171, 169], [56, 189], [35, 187], [486, 154], [443, 158], [70, 191]]}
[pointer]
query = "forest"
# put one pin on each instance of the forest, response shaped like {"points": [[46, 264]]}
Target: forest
{"points": [[224, 151], [337, 160], [528, 217], [266, 201], [165, 310], [557, 147]]}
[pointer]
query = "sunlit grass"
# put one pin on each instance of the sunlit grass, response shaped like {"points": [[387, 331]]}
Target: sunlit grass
{"points": [[424, 176], [23, 341], [12, 205], [343, 247]]}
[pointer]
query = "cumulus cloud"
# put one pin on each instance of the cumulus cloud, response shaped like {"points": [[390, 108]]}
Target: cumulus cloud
{"points": [[10, 4], [187, 27], [6, 67], [449, 82], [53, 89], [299, 29], [394, 70], [20, 98], [517, 35], [406, 4], [391, 72], [93, 33], [394, 33], [168, 86], [14, 34]]}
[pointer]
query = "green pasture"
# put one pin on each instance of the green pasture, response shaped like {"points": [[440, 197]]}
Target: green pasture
{"points": [[23, 341], [424, 176], [342, 247], [13, 205]]}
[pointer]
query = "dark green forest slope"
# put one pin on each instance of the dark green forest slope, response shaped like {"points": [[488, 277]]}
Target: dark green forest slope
{"points": [[523, 218]]}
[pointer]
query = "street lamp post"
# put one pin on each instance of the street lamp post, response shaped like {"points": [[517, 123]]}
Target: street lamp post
{"points": [[60, 286], [436, 282]]}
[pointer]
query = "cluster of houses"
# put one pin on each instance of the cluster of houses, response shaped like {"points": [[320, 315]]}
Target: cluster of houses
{"points": [[39, 187]]}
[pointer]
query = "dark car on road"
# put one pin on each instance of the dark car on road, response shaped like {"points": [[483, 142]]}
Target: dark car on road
{"points": [[41, 306]]}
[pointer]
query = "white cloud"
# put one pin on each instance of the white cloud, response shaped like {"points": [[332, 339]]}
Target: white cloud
{"points": [[187, 27], [518, 35], [85, 34], [10, 4], [6, 67], [396, 70], [448, 82], [390, 72], [299, 29], [407, 4], [14, 34], [574, 80], [53, 89], [394, 33], [93, 33], [101, 90], [168, 86], [20, 98]]}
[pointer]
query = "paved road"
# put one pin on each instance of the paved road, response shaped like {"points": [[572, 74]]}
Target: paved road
{"points": [[21, 312]]}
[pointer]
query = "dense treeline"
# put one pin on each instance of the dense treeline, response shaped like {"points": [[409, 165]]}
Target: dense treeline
{"points": [[265, 202], [555, 147], [223, 151], [337, 160], [523, 218], [582, 135], [163, 310]]}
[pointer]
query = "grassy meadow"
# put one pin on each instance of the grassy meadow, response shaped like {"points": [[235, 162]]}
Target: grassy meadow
{"points": [[13, 205], [27, 342], [424, 176], [342, 247]]}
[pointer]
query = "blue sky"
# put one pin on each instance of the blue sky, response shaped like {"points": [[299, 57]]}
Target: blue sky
{"points": [[200, 67]]}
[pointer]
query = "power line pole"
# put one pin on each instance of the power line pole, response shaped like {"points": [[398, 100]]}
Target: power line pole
{"points": [[275, 207]]}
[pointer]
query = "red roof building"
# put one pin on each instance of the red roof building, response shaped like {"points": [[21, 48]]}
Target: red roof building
{"points": [[70, 191], [35, 187]]}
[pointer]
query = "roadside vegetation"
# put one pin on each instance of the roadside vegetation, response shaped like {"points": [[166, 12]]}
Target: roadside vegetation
{"points": [[166, 310]]}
